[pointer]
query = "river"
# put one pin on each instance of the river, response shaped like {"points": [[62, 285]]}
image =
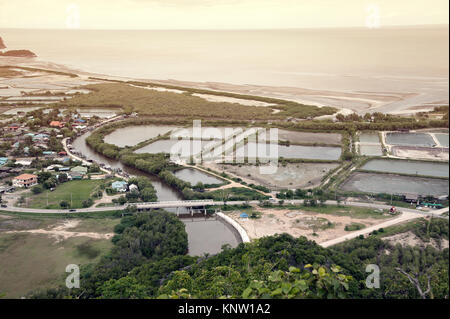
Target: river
{"points": [[205, 235]]}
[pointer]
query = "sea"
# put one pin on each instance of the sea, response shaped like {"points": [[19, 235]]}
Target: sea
{"points": [[407, 60]]}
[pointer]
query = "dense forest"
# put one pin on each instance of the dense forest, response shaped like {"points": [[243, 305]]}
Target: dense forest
{"points": [[149, 260]]}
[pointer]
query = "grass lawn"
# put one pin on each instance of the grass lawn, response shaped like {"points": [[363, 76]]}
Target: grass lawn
{"points": [[73, 191], [32, 261]]}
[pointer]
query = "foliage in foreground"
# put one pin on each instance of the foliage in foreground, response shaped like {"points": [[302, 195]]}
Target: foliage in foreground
{"points": [[280, 266]]}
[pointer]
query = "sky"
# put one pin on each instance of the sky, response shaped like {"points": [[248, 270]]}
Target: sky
{"points": [[219, 14]]}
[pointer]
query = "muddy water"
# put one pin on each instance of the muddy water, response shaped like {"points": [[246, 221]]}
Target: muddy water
{"points": [[194, 176], [209, 236], [204, 236], [408, 167]]}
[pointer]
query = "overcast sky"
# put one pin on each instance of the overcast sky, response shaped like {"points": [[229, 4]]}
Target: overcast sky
{"points": [[218, 14]]}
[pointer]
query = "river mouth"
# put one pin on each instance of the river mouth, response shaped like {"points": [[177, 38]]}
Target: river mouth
{"points": [[204, 235]]}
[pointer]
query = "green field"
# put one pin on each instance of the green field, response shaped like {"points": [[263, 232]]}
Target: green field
{"points": [[29, 261], [74, 192]]}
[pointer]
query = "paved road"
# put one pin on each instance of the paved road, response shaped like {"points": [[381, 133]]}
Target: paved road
{"points": [[200, 203], [407, 213]]}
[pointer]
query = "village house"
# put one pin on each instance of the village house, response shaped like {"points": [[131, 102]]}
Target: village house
{"points": [[75, 175], [25, 180], [119, 186], [13, 127], [134, 188], [3, 160], [79, 169], [57, 124]]}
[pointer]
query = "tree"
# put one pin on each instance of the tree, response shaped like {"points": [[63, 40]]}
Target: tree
{"points": [[64, 204], [62, 178], [43, 176], [87, 202], [123, 288], [148, 195], [37, 189], [50, 183]]}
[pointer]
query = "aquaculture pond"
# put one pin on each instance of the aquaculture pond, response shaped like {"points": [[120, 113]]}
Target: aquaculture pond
{"points": [[183, 147], [410, 139], [369, 138], [195, 176], [408, 167], [395, 184], [370, 150], [260, 150], [132, 135]]}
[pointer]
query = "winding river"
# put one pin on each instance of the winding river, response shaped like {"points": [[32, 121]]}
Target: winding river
{"points": [[205, 235]]}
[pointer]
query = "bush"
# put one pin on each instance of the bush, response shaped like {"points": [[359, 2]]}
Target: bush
{"points": [[37, 189], [64, 204], [87, 203]]}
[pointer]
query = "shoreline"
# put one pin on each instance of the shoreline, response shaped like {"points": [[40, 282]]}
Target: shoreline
{"points": [[347, 102]]}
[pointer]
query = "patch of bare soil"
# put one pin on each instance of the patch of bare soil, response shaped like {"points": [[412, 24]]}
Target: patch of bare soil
{"points": [[61, 232], [7, 223], [410, 239], [314, 226]]}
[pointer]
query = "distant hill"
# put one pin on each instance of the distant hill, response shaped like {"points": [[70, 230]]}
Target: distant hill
{"points": [[2, 44], [19, 53], [15, 53]]}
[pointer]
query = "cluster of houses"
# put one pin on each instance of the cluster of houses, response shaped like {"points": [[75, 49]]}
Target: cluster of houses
{"points": [[75, 173], [78, 124]]}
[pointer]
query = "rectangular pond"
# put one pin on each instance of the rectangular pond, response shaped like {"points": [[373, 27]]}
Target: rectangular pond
{"points": [[408, 167], [295, 137], [183, 147], [195, 176], [369, 138], [370, 150], [410, 139], [133, 135], [260, 150], [395, 184]]}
